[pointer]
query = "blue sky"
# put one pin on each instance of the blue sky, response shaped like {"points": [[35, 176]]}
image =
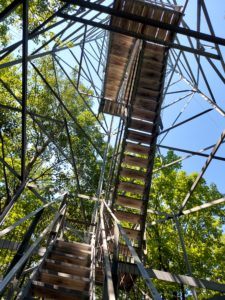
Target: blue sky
{"points": [[205, 130]]}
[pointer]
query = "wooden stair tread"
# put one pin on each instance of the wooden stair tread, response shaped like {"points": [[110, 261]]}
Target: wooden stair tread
{"points": [[133, 234], [143, 114], [63, 267], [123, 249], [131, 187], [140, 137], [129, 202], [147, 92], [140, 125], [137, 149], [71, 250], [131, 173], [41, 289], [135, 161], [75, 245], [145, 103], [128, 217], [77, 284], [55, 255]]}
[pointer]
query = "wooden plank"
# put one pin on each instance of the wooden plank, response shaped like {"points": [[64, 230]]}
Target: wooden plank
{"points": [[135, 161], [67, 268], [139, 137], [131, 173], [128, 217], [56, 292], [146, 82], [71, 259], [73, 251], [75, 245], [145, 103], [137, 149], [132, 233], [131, 187], [143, 114], [71, 283], [129, 202], [147, 92]]}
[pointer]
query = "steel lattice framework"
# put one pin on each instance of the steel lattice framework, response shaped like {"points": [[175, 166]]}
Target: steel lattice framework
{"points": [[75, 38]]}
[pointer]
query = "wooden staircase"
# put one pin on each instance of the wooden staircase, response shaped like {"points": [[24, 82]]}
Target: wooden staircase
{"points": [[134, 179], [64, 274]]}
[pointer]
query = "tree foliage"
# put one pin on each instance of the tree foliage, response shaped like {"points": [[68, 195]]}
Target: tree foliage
{"points": [[202, 231]]}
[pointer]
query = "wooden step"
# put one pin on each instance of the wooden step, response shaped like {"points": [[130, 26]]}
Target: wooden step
{"points": [[146, 92], [77, 284], [128, 217], [129, 202], [123, 249], [151, 83], [139, 137], [136, 149], [151, 63], [63, 267], [133, 233], [49, 291], [135, 161], [143, 114], [74, 245], [131, 173], [145, 103], [150, 73], [131, 187], [68, 258], [72, 250], [140, 125]]}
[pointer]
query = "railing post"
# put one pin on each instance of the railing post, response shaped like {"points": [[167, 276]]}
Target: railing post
{"points": [[115, 259], [25, 243]]}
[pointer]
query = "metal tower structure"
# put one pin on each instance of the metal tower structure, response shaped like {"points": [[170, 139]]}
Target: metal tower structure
{"points": [[149, 77]]}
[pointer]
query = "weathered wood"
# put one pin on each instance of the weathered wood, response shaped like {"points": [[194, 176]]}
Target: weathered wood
{"points": [[128, 217], [71, 259], [140, 125], [131, 187], [75, 245], [143, 114], [71, 250], [135, 161], [77, 284], [142, 104], [139, 137], [131, 173], [55, 292], [129, 202], [136, 149], [63, 267], [133, 234]]}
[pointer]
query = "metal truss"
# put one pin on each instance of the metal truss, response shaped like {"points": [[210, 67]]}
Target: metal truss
{"points": [[74, 38]]}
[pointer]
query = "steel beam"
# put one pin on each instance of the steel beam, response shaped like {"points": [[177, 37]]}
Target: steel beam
{"points": [[137, 35], [149, 21]]}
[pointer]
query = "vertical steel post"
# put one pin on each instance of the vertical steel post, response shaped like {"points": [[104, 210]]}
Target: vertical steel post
{"points": [[24, 89], [187, 263]]}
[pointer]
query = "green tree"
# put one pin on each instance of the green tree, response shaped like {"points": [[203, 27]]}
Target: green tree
{"points": [[202, 230]]}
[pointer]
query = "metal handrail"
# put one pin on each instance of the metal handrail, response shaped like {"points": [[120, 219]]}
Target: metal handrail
{"points": [[154, 293], [13, 272], [22, 220], [108, 283]]}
